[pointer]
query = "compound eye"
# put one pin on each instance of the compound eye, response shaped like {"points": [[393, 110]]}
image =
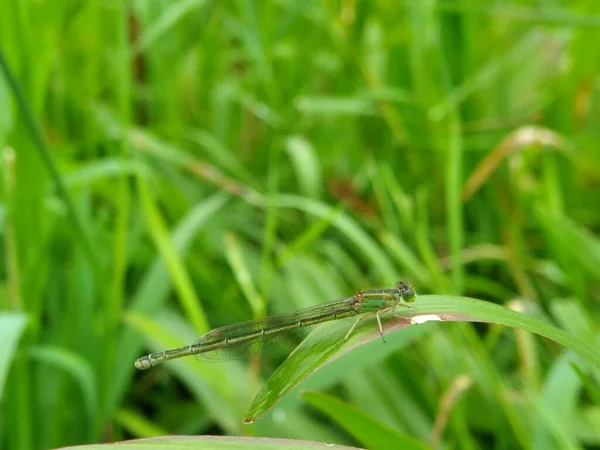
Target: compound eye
{"points": [[406, 291]]}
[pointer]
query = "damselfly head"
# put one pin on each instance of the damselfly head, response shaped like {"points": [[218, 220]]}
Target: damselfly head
{"points": [[406, 291]]}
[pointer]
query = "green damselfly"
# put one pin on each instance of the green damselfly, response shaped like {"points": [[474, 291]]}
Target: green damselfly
{"points": [[249, 337]]}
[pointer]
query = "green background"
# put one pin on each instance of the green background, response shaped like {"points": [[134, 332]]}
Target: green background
{"points": [[171, 167]]}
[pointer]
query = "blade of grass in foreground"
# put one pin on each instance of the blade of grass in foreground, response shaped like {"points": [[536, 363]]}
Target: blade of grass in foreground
{"points": [[215, 443], [327, 343]]}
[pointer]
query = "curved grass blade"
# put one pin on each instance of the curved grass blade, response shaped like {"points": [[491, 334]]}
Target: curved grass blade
{"points": [[326, 343]]}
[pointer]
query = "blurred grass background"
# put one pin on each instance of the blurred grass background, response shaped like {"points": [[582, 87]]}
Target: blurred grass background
{"points": [[206, 162]]}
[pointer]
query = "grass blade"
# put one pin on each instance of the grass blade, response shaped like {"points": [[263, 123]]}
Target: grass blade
{"points": [[327, 342]]}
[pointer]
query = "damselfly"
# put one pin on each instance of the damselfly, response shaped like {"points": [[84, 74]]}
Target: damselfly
{"points": [[249, 337]]}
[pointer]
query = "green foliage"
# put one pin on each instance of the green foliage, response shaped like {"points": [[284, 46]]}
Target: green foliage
{"points": [[171, 167]]}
